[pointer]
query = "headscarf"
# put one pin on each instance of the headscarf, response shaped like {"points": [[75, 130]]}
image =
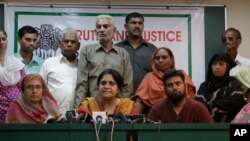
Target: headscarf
{"points": [[244, 76], [37, 114], [11, 64], [212, 82], [151, 89]]}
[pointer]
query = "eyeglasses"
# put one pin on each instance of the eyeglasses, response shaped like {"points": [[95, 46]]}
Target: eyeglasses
{"points": [[224, 39], [32, 87]]}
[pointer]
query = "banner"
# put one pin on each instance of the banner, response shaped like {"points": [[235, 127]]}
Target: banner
{"points": [[180, 29]]}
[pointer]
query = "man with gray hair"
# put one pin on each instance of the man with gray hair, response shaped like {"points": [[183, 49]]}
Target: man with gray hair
{"points": [[96, 58], [59, 72]]}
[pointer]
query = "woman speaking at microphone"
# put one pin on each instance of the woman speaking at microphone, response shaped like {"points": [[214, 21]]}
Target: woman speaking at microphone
{"points": [[35, 104], [110, 84]]}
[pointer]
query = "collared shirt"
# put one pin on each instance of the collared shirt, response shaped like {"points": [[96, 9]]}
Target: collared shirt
{"points": [[33, 66], [93, 60], [242, 62], [60, 76], [140, 59]]}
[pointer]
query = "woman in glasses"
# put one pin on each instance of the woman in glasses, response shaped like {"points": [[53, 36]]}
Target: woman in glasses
{"points": [[35, 104], [11, 72]]}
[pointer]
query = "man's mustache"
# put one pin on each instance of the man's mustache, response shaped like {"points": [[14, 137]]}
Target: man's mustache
{"points": [[227, 47], [137, 29]]}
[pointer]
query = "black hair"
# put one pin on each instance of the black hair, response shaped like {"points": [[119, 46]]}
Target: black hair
{"points": [[26, 29], [133, 15], [238, 34], [172, 72], [2, 30], [116, 76], [220, 56]]}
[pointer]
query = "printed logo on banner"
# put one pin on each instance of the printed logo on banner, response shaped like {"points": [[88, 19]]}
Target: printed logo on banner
{"points": [[48, 42], [239, 132]]}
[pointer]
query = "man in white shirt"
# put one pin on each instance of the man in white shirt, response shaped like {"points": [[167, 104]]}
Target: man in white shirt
{"points": [[60, 72], [231, 40]]}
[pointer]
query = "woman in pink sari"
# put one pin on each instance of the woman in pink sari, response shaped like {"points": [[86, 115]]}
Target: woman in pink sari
{"points": [[11, 73], [35, 104], [151, 89]]}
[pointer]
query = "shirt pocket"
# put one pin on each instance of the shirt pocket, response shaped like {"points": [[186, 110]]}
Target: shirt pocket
{"points": [[114, 66], [144, 62]]}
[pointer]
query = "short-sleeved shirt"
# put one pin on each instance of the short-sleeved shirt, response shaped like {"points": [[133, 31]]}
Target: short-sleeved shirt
{"points": [[60, 76], [33, 67], [140, 59], [192, 112]]}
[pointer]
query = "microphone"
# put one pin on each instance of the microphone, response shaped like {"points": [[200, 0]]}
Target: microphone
{"points": [[83, 115], [99, 116], [148, 120], [110, 119], [51, 120], [71, 115], [140, 118], [98, 119], [63, 120], [120, 118]]}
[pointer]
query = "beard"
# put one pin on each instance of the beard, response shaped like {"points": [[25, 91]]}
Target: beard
{"points": [[176, 97], [227, 48]]}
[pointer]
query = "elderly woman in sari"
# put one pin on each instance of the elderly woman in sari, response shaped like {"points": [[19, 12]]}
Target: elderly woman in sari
{"points": [[35, 104], [221, 93], [110, 84], [11, 73], [243, 116], [151, 89]]}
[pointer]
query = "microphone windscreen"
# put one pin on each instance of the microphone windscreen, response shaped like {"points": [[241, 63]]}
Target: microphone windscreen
{"points": [[63, 120], [120, 118], [84, 114], [99, 119], [82, 110], [140, 118], [70, 115], [51, 120]]}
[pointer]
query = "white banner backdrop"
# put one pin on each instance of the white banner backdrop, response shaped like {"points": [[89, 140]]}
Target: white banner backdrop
{"points": [[182, 30]]}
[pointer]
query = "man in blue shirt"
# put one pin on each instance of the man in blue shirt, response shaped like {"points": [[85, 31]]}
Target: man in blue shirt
{"points": [[27, 38]]}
